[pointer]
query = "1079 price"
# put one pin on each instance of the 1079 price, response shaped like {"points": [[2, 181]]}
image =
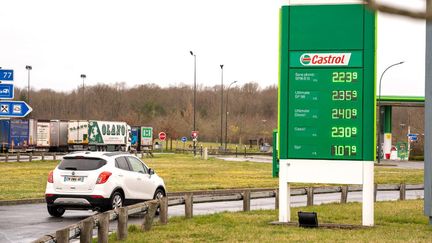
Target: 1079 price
{"points": [[343, 150]]}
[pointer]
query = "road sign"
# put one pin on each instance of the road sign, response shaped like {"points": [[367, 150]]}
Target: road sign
{"points": [[412, 137], [162, 136], [6, 91], [14, 109], [194, 134], [184, 139], [6, 75]]}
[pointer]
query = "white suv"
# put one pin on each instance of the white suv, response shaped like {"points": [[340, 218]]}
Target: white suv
{"points": [[100, 181]]}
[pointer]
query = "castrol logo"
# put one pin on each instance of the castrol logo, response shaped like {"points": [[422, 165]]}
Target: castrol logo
{"points": [[325, 59]]}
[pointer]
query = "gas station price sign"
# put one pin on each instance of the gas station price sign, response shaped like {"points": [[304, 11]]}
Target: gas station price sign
{"points": [[327, 83], [326, 103]]}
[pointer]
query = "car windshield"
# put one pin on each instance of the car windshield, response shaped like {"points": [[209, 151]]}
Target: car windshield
{"points": [[81, 163]]}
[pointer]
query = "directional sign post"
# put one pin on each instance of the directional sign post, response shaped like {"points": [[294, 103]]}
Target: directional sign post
{"points": [[6, 75], [14, 109], [184, 139], [6, 91]]}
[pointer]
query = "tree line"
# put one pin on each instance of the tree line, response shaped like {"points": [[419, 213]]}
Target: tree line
{"points": [[252, 110]]}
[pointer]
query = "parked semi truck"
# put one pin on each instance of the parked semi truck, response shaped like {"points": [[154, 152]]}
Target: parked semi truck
{"points": [[99, 135], [58, 136], [39, 135], [14, 135], [77, 136]]}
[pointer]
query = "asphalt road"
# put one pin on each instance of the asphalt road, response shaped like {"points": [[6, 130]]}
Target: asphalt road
{"points": [[24, 223]]}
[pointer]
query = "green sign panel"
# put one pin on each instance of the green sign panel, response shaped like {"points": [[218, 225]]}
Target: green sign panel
{"points": [[327, 80], [147, 132]]}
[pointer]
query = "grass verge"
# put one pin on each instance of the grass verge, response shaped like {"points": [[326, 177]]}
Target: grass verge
{"points": [[181, 172], [401, 221]]}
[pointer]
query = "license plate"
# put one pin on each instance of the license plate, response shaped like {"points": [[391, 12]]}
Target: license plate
{"points": [[74, 178]]}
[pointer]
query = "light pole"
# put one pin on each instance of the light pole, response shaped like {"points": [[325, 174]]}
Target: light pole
{"points": [[29, 68], [221, 112], [194, 102], [379, 109], [83, 76], [226, 116]]}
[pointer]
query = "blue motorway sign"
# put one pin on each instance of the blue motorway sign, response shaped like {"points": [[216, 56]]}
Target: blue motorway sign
{"points": [[412, 137], [6, 91], [14, 109], [6, 75], [184, 139]]}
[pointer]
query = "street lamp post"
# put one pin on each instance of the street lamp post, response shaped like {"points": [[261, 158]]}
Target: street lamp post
{"points": [[379, 110], [83, 76], [194, 102], [221, 112], [29, 68], [226, 116]]}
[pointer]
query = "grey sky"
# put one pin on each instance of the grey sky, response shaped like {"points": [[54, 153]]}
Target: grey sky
{"points": [[143, 41]]}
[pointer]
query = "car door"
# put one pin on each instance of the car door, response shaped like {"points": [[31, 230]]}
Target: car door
{"points": [[125, 176], [144, 186]]}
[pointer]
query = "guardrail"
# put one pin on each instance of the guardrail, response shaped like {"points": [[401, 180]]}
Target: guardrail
{"points": [[18, 157], [84, 228]]}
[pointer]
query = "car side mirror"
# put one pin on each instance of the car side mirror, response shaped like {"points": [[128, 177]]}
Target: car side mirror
{"points": [[151, 171]]}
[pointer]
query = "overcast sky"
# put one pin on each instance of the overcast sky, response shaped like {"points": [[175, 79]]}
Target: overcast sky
{"points": [[145, 41]]}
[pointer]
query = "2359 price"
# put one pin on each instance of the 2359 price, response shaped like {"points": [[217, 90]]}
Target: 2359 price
{"points": [[345, 95]]}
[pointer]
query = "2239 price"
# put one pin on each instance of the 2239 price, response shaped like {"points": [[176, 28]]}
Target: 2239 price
{"points": [[344, 77]]}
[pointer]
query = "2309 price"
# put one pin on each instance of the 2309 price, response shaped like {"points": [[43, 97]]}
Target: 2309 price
{"points": [[344, 132]]}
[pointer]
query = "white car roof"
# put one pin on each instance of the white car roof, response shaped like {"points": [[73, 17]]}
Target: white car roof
{"points": [[104, 155]]}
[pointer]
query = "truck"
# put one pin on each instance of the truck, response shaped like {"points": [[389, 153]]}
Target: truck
{"points": [[146, 141], [135, 138], [98, 135], [109, 136], [58, 136], [77, 135], [39, 138], [14, 135], [4, 135]]}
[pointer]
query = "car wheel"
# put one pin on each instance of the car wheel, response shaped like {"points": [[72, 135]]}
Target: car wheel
{"points": [[116, 200], [56, 211], [159, 194]]}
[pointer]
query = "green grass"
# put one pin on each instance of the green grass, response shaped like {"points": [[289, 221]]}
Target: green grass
{"points": [[24, 180], [401, 221], [181, 172]]}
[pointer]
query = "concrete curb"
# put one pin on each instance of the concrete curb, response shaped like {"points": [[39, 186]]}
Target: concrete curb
{"points": [[21, 201]]}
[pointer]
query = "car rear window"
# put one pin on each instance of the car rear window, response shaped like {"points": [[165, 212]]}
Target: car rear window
{"points": [[81, 163]]}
